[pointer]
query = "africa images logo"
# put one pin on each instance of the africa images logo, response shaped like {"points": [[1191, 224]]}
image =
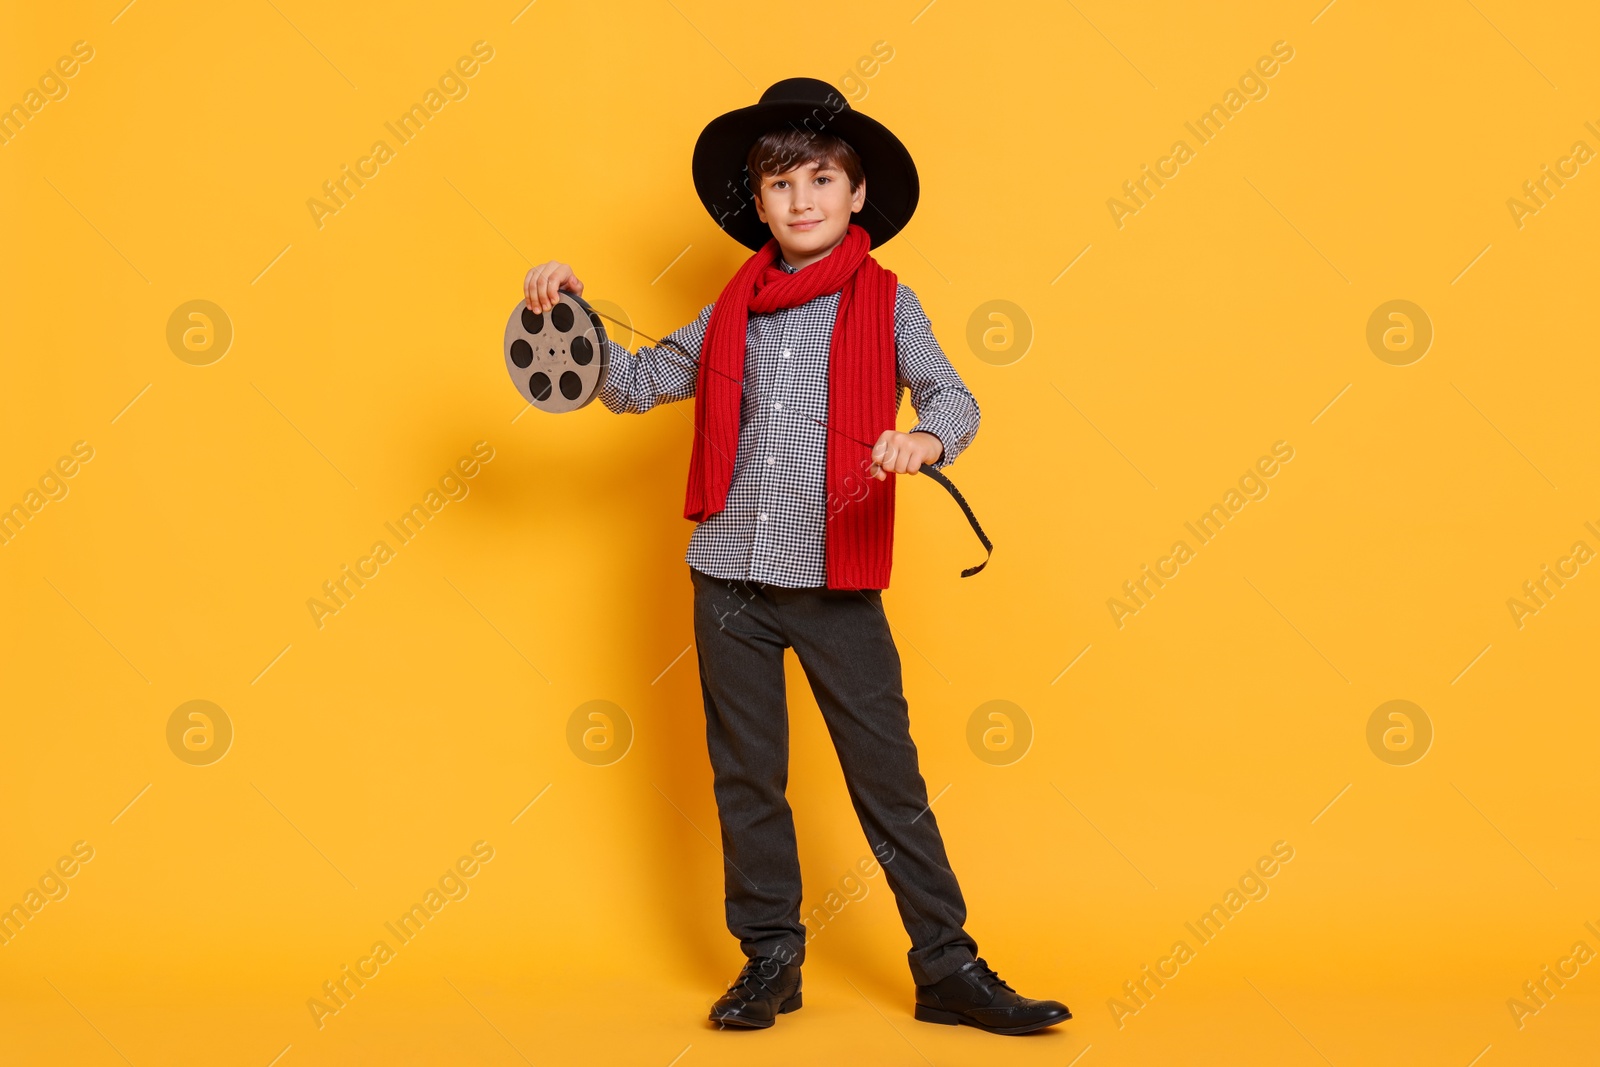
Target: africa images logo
{"points": [[452, 85], [1252, 485]]}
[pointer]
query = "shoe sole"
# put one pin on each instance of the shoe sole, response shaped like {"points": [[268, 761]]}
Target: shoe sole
{"points": [[792, 1004], [950, 1018]]}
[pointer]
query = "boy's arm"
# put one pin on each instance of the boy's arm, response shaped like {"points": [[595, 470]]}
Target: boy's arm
{"points": [[943, 404], [635, 382]]}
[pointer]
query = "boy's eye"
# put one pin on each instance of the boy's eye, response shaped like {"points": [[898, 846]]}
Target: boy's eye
{"points": [[823, 178]]}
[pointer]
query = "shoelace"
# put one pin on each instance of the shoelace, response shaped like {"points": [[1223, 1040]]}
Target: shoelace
{"points": [[751, 978], [988, 975]]}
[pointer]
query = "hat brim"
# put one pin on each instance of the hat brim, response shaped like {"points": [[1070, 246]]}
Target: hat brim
{"points": [[726, 191]]}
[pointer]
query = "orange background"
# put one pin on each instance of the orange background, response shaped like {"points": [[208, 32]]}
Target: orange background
{"points": [[432, 711]]}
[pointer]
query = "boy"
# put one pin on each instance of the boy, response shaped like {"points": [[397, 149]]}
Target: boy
{"points": [[797, 371]]}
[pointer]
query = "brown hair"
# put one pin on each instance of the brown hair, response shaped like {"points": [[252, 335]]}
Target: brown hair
{"points": [[778, 151]]}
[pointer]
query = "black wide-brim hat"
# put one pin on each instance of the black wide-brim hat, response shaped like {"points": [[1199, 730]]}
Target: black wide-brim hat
{"points": [[727, 190]]}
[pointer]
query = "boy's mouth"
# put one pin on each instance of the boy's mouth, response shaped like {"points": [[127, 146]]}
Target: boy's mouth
{"points": [[805, 224]]}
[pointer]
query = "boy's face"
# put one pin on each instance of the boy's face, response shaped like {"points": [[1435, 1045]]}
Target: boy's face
{"points": [[808, 209]]}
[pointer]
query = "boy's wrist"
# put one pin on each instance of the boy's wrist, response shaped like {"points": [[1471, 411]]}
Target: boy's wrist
{"points": [[937, 443]]}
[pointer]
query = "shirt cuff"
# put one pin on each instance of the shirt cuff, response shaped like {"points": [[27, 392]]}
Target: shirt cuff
{"points": [[946, 432]]}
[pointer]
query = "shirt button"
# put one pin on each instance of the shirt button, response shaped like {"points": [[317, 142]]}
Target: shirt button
{"points": [[785, 353], [771, 460], [763, 516], [778, 405]]}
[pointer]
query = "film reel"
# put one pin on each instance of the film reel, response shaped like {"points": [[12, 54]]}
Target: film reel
{"points": [[557, 359]]}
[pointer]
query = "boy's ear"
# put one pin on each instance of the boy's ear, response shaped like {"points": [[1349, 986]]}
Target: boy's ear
{"points": [[858, 199]]}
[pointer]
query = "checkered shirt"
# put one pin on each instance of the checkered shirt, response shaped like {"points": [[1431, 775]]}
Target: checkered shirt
{"points": [[773, 526]]}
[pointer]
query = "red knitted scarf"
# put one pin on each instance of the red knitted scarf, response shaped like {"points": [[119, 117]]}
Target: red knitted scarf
{"points": [[859, 538]]}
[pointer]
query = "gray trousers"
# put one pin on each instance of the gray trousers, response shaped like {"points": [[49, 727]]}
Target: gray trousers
{"points": [[843, 642]]}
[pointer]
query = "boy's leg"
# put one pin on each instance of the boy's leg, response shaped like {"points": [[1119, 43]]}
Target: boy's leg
{"points": [[842, 640], [740, 647]]}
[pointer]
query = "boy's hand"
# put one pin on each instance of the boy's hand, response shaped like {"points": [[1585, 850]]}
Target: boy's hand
{"points": [[903, 453], [544, 281]]}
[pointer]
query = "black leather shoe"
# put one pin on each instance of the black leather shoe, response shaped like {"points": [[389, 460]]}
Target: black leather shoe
{"points": [[765, 988], [976, 996]]}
